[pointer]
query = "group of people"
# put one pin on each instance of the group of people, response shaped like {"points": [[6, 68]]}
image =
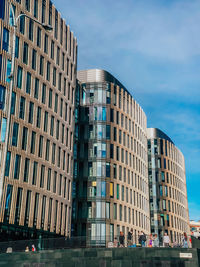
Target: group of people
{"points": [[152, 241], [33, 248]]}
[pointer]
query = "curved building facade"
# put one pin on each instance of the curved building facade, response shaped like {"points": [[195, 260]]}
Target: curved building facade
{"points": [[36, 188], [167, 187], [110, 189]]}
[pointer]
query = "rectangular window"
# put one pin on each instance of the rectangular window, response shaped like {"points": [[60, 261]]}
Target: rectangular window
{"points": [[44, 93], [48, 71], [18, 205], [54, 76], [52, 126], [35, 215], [19, 77], [22, 108], [58, 56], [15, 134], [43, 211], [33, 142], [36, 88], [27, 209], [22, 24], [27, 5], [5, 44], [24, 138], [50, 13], [49, 180], [47, 150], [53, 153], [8, 202], [38, 37], [30, 35], [35, 9], [2, 96], [41, 65], [56, 103], [38, 121], [13, 101], [17, 166], [40, 146], [7, 168], [17, 47], [52, 49], [34, 59], [42, 176], [50, 98], [45, 121], [43, 10], [28, 83], [35, 167], [54, 182], [26, 169], [25, 53], [46, 43], [31, 112]]}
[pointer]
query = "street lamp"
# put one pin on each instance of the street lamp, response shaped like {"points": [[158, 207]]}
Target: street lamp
{"points": [[11, 77]]}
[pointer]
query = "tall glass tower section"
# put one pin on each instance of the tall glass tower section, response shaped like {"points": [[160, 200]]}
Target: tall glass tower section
{"points": [[110, 187]]}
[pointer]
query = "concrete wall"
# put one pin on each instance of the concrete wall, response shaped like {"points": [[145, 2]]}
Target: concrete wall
{"points": [[118, 257]]}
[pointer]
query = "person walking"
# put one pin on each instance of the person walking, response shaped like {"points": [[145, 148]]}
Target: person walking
{"points": [[156, 241], [166, 240], [130, 236], [150, 243], [121, 239]]}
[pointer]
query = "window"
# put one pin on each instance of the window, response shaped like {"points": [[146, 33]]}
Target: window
{"points": [[48, 71], [18, 205], [35, 215], [57, 129], [8, 203], [19, 77], [47, 150], [17, 166], [36, 88], [44, 93], [50, 98], [50, 13], [5, 44], [52, 49], [8, 70], [54, 182], [38, 117], [15, 134], [31, 110], [2, 96], [33, 142], [38, 37], [27, 209], [58, 56], [54, 76], [34, 59], [35, 166], [28, 83], [53, 153], [25, 53], [43, 10], [22, 24], [7, 167], [40, 146], [42, 176], [35, 9], [30, 36], [24, 138], [46, 43], [52, 126], [17, 47], [49, 180], [26, 169], [56, 103], [41, 65], [13, 100], [22, 108], [27, 5], [45, 121]]}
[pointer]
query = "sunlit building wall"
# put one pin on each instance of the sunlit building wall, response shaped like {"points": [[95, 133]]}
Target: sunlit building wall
{"points": [[36, 199]]}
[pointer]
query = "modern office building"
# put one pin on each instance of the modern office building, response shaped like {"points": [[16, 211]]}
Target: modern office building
{"points": [[35, 193], [167, 187], [110, 188]]}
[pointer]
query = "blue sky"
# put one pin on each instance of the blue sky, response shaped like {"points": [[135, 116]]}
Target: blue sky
{"points": [[153, 48]]}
